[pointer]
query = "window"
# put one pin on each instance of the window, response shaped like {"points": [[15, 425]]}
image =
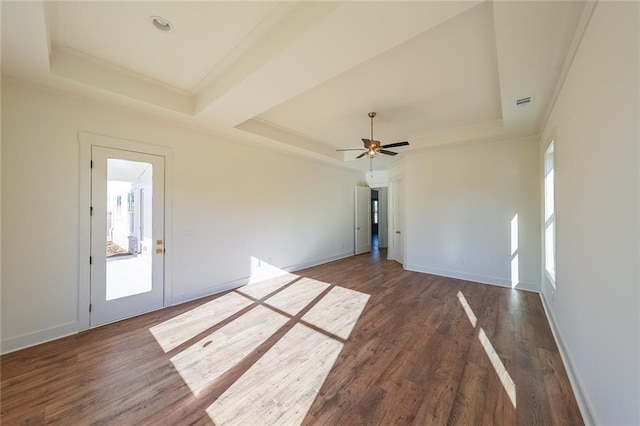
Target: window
{"points": [[549, 215], [375, 212], [119, 206], [131, 210], [130, 202]]}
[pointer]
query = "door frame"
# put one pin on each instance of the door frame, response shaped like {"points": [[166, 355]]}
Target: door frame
{"points": [[87, 140], [395, 187], [383, 212], [356, 223]]}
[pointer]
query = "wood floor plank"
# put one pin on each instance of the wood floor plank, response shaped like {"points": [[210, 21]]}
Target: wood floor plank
{"points": [[356, 341], [202, 363], [174, 332]]}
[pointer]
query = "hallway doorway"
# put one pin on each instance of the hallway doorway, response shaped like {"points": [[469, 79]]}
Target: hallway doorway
{"points": [[375, 219], [379, 218]]}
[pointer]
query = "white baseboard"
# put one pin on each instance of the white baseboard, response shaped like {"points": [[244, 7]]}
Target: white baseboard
{"points": [[472, 277], [316, 262], [586, 409], [57, 332], [208, 291], [230, 285], [37, 337]]}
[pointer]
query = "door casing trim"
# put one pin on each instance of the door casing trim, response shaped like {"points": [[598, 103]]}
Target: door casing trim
{"points": [[86, 141]]}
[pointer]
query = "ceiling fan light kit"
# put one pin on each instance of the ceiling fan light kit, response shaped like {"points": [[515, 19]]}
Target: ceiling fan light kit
{"points": [[373, 147]]}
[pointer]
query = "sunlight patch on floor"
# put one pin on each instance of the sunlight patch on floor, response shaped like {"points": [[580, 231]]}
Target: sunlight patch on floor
{"points": [[295, 297], [177, 330], [496, 362], [261, 288], [338, 311], [202, 363], [467, 309], [498, 366], [281, 386]]}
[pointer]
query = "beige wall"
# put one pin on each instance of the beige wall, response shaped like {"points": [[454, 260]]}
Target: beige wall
{"points": [[230, 202], [596, 306], [460, 206]]}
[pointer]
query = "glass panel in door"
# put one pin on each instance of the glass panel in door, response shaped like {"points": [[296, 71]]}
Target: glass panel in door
{"points": [[128, 259], [127, 234]]}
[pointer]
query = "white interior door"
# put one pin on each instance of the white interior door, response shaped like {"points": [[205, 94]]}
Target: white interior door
{"points": [[363, 219], [397, 225], [127, 234]]}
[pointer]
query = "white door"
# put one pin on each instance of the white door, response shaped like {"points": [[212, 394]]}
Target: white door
{"points": [[127, 234], [363, 219], [397, 227]]}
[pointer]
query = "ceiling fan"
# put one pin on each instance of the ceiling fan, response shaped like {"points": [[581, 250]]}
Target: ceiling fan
{"points": [[372, 147]]}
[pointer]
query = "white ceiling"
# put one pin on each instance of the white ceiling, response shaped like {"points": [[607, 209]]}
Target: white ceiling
{"points": [[444, 78], [302, 76], [119, 170], [119, 33]]}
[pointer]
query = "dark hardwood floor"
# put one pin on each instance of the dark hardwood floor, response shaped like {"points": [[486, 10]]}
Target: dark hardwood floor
{"points": [[356, 341]]}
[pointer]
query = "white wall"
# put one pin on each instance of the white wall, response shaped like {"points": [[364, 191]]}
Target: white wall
{"points": [[459, 207], [0, 214], [231, 201], [595, 308]]}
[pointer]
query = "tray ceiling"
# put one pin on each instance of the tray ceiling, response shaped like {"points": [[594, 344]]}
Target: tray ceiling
{"points": [[302, 76]]}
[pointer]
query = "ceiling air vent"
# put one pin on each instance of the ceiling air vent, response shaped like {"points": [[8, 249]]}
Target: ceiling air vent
{"points": [[523, 101]]}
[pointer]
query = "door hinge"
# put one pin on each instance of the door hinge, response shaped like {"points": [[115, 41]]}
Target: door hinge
{"points": [[90, 260], [89, 307], [91, 211], [91, 164]]}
